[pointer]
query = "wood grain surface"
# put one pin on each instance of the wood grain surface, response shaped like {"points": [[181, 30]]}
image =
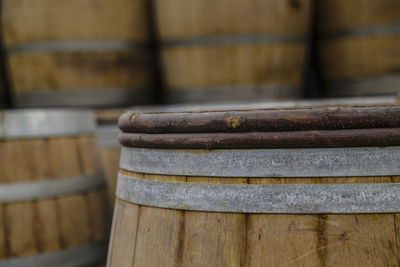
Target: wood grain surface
{"points": [[204, 68], [100, 22], [165, 237], [50, 225]]}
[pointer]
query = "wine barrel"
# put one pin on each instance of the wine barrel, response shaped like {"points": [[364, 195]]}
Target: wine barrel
{"points": [[359, 46], [110, 149], [80, 53], [293, 186], [53, 201], [232, 50]]}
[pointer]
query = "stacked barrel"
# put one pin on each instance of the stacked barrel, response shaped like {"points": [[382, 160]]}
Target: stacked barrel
{"points": [[232, 50], [53, 200], [85, 53], [359, 46]]}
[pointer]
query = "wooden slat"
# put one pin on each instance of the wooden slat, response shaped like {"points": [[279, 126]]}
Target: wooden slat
{"points": [[160, 234], [19, 218], [72, 211], [124, 233], [282, 240], [214, 239], [178, 18], [93, 20]]}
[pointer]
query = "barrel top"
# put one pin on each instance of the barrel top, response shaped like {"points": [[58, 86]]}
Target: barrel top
{"points": [[299, 124], [39, 123]]}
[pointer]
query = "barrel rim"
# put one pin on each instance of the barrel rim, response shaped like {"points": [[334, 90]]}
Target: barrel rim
{"points": [[40, 123]]}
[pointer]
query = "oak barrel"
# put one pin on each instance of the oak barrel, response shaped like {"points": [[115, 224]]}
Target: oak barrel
{"points": [[53, 201], [359, 46], [80, 53], [214, 50], [295, 186]]}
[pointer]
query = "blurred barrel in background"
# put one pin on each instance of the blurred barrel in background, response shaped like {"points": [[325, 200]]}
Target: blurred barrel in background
{"points": [[224, 49], [54, 209], [63, 53], [110, 149], [359, 46]]}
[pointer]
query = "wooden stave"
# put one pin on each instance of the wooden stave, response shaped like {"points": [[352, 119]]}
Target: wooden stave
{"points": [[347, 43], [290, 239], [174, 45], [81, 50]]}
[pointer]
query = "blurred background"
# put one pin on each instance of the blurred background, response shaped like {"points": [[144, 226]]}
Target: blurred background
{"points": [[99, 53], [109, 56]]}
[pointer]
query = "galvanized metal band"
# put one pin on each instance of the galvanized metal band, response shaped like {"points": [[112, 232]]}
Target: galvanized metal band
{"points": [[76, 46], [229, 93], [363, 31], [307, 162], [107, 136], [35, 123], [378, 85], [82, 255], [300, 198], [49, 188], [234, 39], [82, 97]]}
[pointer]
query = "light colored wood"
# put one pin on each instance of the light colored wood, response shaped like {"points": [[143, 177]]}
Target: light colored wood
{"points": [[246, 64], [46, 226], [77, 70], [97, 21], [34, 227], [62, 20], [358, 57], [280, 239], [242, 64], [74, 225], [19, 217], [214, 239], [224, 239], [339, 14], [124, 234], [183, 18], [348, 58], [110, 161], [160, 233], [363, 239]]}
